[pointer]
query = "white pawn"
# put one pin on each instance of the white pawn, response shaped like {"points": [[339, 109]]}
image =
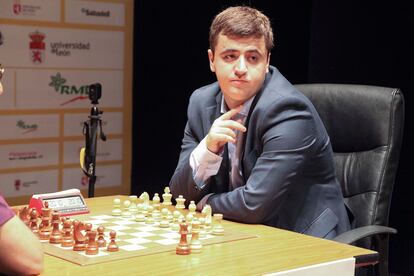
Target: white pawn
{"points": [[117, 210], [126, 213], [192, 207], [176, 225], [180, 202], [133, 207], [156, 200], [202, 234], [139, 217], [181, 219], [156, 215], [170, 216], [143, 209], [164, 222], [218, 229], [156, 204], [189, 218], [166, 196], [149, 220], [195, 244], [149, 210]]}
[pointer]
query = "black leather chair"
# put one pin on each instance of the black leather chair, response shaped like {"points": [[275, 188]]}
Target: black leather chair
{"points": [[365, 125]]}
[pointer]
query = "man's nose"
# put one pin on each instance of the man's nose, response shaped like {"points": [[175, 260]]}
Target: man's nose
{"points": [[241, 68]]}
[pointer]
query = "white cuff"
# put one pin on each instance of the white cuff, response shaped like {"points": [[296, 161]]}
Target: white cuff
{"points": [[204, 163]]}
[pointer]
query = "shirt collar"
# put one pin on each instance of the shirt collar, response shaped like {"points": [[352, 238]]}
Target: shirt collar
{"points": [[244, 111]]}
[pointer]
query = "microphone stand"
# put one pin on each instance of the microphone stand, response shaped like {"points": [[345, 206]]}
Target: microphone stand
{"points": [[90, 130]]}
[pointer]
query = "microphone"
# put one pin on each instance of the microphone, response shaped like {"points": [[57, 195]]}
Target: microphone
{"points": [[90, 130]]}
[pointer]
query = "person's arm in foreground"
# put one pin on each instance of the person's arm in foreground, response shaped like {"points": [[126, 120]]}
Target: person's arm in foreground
{"points": [[20, 250]]}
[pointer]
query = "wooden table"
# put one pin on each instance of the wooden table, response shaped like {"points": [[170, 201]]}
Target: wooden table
{"points": [[274, 250]]}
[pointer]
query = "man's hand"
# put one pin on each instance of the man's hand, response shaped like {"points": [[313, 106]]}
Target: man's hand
{"points": [[222, 130]]}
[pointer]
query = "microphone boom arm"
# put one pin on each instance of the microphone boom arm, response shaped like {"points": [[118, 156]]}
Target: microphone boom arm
{"points": [[90, 130]]}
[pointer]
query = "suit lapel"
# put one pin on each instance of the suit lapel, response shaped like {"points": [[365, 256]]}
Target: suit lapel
{"points": [[250, 132]]}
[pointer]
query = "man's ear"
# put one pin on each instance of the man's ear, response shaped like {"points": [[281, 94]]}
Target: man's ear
{"points": [[211, 60]]}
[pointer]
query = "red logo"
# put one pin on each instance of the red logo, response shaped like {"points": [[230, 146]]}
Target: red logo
{"points": [[17, 184], [37, 46], [17, 8]]}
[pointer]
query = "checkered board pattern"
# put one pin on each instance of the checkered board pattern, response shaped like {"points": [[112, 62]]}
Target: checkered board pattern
{"points": [[134, 239]]}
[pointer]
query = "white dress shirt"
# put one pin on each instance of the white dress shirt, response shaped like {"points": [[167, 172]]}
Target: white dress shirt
{"points": [[206, 164]]}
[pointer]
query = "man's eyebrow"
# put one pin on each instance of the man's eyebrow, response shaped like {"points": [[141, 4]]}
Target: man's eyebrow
{"points": [[254, 51], [228, 51]]}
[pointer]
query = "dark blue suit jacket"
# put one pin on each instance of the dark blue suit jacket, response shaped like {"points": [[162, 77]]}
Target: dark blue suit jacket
{"points": [[287, 163]]}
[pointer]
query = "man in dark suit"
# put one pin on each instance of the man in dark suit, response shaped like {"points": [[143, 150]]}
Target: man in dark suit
{"points": [[254, 148]]}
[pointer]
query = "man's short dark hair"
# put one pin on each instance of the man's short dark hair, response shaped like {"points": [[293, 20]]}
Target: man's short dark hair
{"points": [[241, 21]]}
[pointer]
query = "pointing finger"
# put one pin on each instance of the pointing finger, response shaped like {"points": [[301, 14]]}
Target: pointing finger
{"points": [[229, 114]]}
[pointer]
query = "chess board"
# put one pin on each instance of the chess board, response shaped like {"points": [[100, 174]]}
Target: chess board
{"points": [[133, 238]]}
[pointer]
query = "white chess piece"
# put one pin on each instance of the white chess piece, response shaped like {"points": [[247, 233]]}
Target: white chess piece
{"points": [[176, 224], [133, 207], [202, 234], [156, 202], [195, 244], [180, 202], [166, 196], [207, 212], [189, 218], [116, 211], [164, 221], [140, 216], [218, 229], [126, 213], [144, 197], [192, 207]]}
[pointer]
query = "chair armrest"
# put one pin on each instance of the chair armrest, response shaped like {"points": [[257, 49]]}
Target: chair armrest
{"points": [[356, 234]]}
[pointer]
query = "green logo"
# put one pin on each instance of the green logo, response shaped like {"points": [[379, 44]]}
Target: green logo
{"points": [[60, 86], [26, 127]]}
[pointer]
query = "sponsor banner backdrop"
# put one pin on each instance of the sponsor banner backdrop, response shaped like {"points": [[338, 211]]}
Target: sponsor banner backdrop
{"points": [[90, 12], [29, 183], [111, 150], [29, 155], [111, 123], [66, 88], [40, 10], [61, 48], [52, 52], [107, 176], [29, 126]]}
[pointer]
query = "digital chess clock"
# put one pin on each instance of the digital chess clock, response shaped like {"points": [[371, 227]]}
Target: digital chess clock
{"points": [[67, 203]]}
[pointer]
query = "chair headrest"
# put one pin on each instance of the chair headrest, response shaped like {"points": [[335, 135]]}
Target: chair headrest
{"points": [[357, 117]]}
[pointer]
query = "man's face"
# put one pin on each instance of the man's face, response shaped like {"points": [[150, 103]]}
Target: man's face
{"points": [[240, 64]]}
